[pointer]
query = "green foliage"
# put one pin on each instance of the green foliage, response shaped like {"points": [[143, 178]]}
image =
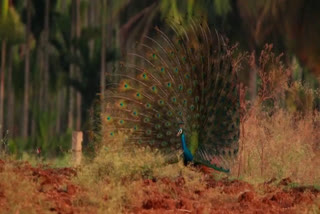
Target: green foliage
{"points": [[51, 146], [11, 28], [222, 7], [4, 8]]}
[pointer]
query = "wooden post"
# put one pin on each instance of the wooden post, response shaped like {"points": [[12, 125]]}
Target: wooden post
{"points": [[77, 138]]}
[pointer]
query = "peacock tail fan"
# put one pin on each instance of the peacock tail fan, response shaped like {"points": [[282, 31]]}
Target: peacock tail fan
{"points": [[188, 76]]}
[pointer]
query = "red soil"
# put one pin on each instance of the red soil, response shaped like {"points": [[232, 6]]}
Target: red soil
{"points": [[231, 197], [222, 196]]}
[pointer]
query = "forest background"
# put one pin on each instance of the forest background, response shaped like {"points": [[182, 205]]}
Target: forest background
{"points": [[57, 56]]}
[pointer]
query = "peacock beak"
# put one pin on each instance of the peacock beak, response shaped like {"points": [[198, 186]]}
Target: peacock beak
{"points": [[179, 132]]}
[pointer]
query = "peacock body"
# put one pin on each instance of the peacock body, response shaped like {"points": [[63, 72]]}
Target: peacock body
{"points": [[179, 93]]}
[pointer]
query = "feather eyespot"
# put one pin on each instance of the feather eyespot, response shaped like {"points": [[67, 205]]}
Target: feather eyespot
{"points": [[152, 142], [185, 102], [154, 88], [164, 143], [167, 124], [146, 120], [144, 76]]}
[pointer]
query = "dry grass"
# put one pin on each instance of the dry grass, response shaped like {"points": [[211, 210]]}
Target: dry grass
{"points": [[280, 129], [19, 193], [279, 146], [114, 176]]}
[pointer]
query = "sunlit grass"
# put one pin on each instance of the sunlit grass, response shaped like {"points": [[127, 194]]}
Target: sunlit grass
{"points": [[114, 176]]}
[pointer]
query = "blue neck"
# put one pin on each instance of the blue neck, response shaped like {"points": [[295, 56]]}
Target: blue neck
{"points": [[186, 152], [183, 142]]}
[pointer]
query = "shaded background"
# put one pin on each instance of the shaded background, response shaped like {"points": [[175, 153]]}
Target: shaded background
{"points": [[56, 55]]}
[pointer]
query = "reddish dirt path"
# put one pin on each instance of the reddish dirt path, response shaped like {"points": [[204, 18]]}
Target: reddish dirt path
{"points": [[222, 196], [229, 197]]}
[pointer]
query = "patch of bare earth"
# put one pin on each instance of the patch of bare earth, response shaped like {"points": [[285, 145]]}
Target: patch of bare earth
{"points": [[166, 195], [225, 197], [53, 188]]}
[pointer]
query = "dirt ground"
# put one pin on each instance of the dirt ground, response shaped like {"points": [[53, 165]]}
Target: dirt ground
{"points": [[56, 187]]}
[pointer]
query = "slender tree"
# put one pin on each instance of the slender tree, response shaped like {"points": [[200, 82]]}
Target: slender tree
{"points": [[71, 70], [11, 96], [4, 12], [103, 53], [3, 62], [27, 71], [78, 72], [46, 50]]}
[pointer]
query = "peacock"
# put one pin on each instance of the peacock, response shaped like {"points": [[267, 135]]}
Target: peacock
{"points": [[179, 91]]}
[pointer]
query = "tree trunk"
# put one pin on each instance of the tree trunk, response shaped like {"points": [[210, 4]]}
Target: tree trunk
{"points": [[103, 54], [91, 23], [46, 53], [3, 64], [63, 5], [71, 71], [10, 108], [26, 77], [78, 72], [58, 110]]}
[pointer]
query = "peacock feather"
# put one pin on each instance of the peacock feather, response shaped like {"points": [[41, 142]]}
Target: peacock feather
{"points": [[185, 84]]}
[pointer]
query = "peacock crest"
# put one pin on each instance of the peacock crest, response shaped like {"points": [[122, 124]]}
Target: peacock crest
{"points": [[185, 79]]}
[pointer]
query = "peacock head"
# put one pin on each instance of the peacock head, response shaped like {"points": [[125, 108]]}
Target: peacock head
{"points": [[180, 131]]}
